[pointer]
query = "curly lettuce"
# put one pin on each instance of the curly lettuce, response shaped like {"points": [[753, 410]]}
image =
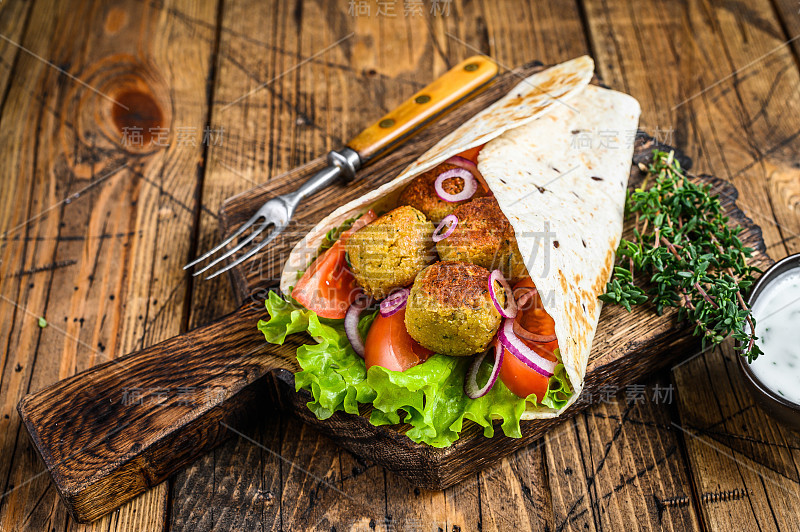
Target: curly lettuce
{"points": [[429, 397]]}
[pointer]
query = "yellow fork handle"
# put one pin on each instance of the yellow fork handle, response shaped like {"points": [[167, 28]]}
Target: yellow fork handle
{"points": [[455, 84]]}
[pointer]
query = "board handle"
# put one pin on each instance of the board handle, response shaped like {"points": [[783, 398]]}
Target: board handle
{"points": [[454, 85], [120, 428]]}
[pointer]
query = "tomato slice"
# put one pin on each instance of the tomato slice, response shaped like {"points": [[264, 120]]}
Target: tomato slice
{"points": [[366, 218], [522, 380], [472, 153], [327, 287], [515, 374], [389, 345]]}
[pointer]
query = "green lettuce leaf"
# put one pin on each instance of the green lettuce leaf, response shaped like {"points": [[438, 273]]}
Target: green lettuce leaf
{"points": [[429, 397], [332, 371], [329, 240]]}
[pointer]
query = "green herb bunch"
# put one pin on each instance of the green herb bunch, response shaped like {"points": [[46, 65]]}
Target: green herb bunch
{"points": [[693, 259]]}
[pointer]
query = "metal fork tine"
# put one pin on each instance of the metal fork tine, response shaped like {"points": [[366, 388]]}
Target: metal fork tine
{"points": [[225, 242], [234, 250], [275, 232]]}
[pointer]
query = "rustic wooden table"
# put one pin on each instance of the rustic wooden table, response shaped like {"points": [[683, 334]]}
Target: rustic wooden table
{"points": [[98, 217]]}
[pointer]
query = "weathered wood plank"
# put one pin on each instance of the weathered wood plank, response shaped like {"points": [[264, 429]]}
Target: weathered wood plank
{"points": [[276, 116], [240, 491], [258, 55], [787, 12], [625, 464], [730, 89], [90, 263], [13, 18]]}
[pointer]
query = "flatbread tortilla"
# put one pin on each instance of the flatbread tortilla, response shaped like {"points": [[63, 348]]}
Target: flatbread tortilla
{"points": [[529, 99], [564, 199]]}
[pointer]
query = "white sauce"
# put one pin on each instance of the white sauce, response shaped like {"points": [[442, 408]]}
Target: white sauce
{"points": [[777, 314]]}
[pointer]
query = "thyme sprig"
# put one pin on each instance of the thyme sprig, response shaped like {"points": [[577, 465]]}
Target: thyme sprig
{"points": [[693, 259]]}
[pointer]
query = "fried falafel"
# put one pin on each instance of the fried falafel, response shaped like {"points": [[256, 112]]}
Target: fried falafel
{"points": [[389, 252], [450, 310], [484, 236], [421, 193]]}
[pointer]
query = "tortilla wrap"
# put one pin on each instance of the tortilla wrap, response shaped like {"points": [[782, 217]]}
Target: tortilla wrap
{"points": [[564, 200]]}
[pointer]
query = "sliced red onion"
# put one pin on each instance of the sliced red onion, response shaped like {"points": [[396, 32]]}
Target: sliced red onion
{"points": [[525, 334], [531, 358], [394, 302], [521, 331], [452, 220], [528, 293], [470, 185], [471, 382], [462, 162], [457, 160], [511, 306], [351, 324]]}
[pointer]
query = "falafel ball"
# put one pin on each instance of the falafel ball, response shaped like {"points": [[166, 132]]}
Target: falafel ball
{"points": [[484, 236], [450, 311], [421, 193], [389, 252]]}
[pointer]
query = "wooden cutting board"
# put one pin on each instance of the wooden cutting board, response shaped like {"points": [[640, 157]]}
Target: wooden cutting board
{"points": [[112, 432]]}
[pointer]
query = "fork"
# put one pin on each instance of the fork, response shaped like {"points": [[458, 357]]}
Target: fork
{"points": [[373, 142]]}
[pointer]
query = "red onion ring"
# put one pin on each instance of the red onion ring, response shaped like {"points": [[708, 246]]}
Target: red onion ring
{"points": [[471, 383], [466, 164], [521, 331], [525, 354], [470, 185], [394, 302], [525, 334], [511, 306], [528, 293], [449, 218], [351, 324], [463, 162]]}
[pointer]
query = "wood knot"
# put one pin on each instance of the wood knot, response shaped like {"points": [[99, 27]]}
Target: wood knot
{"points": [[129, 110], [138, 111]]}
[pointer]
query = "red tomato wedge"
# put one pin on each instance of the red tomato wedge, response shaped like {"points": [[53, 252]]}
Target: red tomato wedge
{"points": [[327, 287], [471, 154], [390, 346], [514, 373], [365, 219]]}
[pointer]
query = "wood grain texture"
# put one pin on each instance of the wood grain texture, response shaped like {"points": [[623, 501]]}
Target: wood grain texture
{"points": [[89, 213], [130, 442], [285, 123], [133, 421], [661, 53]]}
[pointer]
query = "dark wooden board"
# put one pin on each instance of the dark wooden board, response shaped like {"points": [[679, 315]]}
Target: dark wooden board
{"points": [[626, 348], [102, 448]]}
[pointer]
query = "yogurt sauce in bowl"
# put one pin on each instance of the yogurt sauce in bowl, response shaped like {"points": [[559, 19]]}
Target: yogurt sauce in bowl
{"points": [[777, 314]]}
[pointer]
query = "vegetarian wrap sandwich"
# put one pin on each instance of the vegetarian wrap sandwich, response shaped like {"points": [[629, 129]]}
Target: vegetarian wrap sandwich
{"points": [[467, 288]]}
